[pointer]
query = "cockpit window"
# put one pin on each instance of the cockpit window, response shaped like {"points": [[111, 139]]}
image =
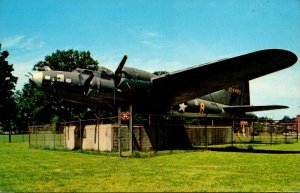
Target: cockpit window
{"points": [[104, 73], [105, 76]]}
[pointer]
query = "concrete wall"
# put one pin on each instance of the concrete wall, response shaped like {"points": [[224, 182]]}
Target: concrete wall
{"points": [[98, 136], [69, 132], [92, 136], [105, 137]]}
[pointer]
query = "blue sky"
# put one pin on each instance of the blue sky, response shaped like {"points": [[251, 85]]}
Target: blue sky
{"points": [[158, 35]]}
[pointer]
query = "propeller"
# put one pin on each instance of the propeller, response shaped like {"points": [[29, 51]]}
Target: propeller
{"points": [[118, 72], [85, 77], [118, 75]]}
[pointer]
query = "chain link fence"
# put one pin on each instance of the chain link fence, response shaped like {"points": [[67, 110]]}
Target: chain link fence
{"points": [[46, 136], [13, 136], [261, 132], [106, 135]]}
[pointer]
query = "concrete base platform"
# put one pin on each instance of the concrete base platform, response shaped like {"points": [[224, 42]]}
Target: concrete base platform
{"points": [[105, 137]]}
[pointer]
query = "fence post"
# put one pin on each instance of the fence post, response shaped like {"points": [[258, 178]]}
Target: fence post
{"points": [[29, 134], [206, 135], [98, 151], [35, 128], [131, 131], [54, 128], [252, 133], [44, 137], [271, 134], [232, 133], [119, 131], [286, 134], [65, 135], [297, 131], [59, 132], [80, 136]]}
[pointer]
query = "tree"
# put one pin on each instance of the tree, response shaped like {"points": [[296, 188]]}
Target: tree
{"points": [[7, 85], [158, 73], [287, 118], [38, 107], [67, 61], [32, 106]]}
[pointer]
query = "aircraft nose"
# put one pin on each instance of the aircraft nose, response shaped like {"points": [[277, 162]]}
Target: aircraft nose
{"points": [[37, 79]]}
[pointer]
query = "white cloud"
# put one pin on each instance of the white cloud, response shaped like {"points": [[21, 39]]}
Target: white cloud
{"points": [[147, 38], [152, 44], [151, 34], [11, 42], [151, 39], [22, 42], [27, 44]]}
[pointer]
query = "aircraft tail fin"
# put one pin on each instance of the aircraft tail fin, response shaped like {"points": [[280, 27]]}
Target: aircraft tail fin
{"points": [[237, 95]]}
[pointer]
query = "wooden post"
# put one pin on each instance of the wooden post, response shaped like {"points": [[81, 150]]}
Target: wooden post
{"points": [[130, 131], [232, 133], [298, 131], [149, 120], [29, 133], [252, 134], [119, 131], [98, 132], [65, 134], [80, 135], [271, 134], [54, 128], [206, 135]]}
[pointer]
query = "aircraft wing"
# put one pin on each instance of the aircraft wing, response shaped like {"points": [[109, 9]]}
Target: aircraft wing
{"points": [[187, 84], [243, 109]]}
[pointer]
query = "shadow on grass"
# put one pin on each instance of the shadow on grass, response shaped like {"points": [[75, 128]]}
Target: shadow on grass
{"points": [[251, 150]]}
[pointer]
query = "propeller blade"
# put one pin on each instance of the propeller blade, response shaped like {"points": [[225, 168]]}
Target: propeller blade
{"points": [[118, 73], [30, 76]]}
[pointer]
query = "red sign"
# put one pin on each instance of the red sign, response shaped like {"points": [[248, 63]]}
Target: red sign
{"points": [[243, 123], [125, 116]]}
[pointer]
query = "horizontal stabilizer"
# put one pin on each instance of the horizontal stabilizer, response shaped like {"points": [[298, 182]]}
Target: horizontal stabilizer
{"points": [[243, 109]]}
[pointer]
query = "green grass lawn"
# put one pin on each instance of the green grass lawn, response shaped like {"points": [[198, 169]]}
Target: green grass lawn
{"points": [[24, 169]]}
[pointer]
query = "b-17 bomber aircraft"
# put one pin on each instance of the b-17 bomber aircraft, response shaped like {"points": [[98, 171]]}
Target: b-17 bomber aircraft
{"points": [[218, 89]]}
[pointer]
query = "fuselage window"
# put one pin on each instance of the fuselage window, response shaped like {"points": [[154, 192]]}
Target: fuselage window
{"points": [[68, 80], [60, 78]]}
